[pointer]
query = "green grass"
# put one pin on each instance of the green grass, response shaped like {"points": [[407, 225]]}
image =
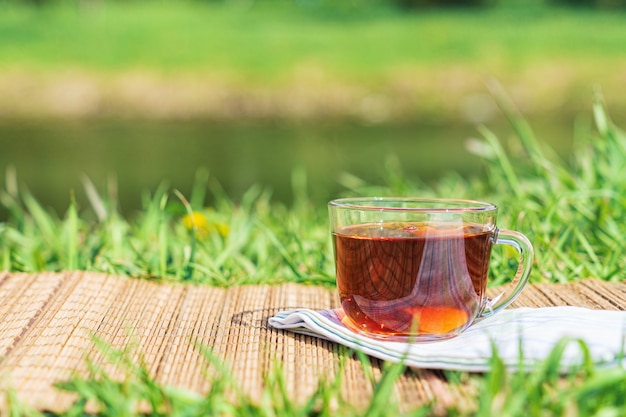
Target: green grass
{"points": [[251, 241], [279, 60], [270, 43], [571, 210], [584, 391]]}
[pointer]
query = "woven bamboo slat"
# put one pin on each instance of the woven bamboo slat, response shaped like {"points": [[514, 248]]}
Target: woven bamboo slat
{"points": [[48, 322]]}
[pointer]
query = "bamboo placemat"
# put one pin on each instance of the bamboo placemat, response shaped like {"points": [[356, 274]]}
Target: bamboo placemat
{"points": [[48, 320]]}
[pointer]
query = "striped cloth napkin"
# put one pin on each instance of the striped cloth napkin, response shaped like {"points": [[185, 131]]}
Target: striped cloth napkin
{"points": [[532, 331]]}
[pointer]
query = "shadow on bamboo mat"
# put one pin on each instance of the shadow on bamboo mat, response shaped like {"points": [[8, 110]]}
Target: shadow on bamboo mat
{"points": [[48, 322]]}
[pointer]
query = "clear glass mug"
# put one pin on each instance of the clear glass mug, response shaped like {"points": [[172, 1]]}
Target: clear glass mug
{"points": [[413, 269]]}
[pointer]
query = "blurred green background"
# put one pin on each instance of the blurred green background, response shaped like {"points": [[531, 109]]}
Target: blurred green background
{"points": [[151, 91]]}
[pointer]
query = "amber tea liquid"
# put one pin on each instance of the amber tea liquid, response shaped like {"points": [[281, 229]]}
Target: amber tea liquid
{"points": [[406, 278]]}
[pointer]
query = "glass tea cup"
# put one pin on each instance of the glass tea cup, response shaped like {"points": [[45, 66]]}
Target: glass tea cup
{"points": [[415, 269]]}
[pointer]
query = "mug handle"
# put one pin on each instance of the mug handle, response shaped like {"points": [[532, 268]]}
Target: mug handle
{"points": [[526, 255]]}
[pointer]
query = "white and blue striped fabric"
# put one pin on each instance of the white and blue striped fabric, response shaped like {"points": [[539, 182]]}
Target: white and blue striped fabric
{"points": [[523, 338]]}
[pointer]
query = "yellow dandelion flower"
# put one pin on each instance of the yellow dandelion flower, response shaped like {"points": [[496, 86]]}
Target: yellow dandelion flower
{"points": [[223, 229], [203, 226], [198, 222], [195, 220]]}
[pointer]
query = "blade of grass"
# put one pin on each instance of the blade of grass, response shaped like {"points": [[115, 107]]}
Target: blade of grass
{"points": [[198, 192], [190, 249], [72, 235], [45, 223], [94, 198], [505, 164], [379, 405], [163, 237]]}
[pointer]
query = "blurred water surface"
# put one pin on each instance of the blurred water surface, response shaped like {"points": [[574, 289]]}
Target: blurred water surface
{"points": [[51, 156]]}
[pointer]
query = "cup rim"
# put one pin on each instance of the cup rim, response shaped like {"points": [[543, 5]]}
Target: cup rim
{"points": [[427, 204]]}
